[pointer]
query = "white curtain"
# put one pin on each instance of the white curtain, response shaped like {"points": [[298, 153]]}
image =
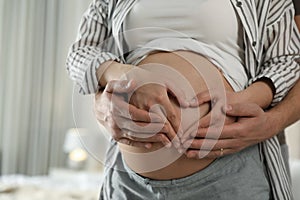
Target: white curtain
{"points": [[35, 91]]}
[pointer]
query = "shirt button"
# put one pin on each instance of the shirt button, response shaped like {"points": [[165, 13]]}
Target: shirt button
{"points": [[254, 43], [238, 4]]}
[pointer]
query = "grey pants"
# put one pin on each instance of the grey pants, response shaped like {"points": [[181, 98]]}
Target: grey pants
{"points": [[234, 177]]}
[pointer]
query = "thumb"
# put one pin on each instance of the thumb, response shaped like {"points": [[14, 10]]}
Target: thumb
{"points": [[242, 110], [120, 86]]}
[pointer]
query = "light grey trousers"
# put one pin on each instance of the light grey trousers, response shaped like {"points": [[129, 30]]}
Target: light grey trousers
{"points": [[240, 176]]}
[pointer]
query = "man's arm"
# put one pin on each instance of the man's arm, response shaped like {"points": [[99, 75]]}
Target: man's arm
{"points": [[287, 112], [253, 124]]}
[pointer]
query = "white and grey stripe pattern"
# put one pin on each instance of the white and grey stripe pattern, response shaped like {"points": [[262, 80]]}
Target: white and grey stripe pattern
{"points": [[272, 45]]}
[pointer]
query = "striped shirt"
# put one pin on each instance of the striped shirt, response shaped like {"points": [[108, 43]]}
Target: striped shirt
{"points": [[272, 46]]}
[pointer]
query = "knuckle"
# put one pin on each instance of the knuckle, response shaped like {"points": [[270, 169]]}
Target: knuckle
{"points": [[173, 117], [160, 97], [239, 133], [165, 128], [236, 145], [236, 133], [160, 137], [148, 104]]}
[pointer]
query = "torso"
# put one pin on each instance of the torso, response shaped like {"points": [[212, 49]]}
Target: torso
{"points": [[140, 160], [191, 26], [211, 28]]}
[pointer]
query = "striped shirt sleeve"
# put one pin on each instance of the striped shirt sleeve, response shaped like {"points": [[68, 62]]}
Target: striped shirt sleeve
{"points": [[281, 49], [93, 47]]}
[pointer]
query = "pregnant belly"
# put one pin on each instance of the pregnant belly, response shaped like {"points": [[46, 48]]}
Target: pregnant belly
{"points": [[161, 163]]}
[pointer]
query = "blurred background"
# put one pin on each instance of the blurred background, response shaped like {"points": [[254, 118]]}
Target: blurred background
{"points": [[51, 146]]}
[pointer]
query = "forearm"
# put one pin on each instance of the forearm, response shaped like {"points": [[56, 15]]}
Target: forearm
{"points": [[111, 70], [286, 112], [260, 93]]}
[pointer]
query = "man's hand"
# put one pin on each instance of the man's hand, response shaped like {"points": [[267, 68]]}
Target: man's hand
{"points": [[252, 126], [217, 102]]}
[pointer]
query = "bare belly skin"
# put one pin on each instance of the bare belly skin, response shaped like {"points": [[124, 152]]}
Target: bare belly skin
{"points": [[161, 163]]}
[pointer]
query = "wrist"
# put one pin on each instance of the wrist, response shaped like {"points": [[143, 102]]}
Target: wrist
{"points": [[275, 122], [243, 97], [143, 76], [260, 93], [112, 70]]}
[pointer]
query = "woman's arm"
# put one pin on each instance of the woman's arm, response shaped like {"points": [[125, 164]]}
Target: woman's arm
{"points": [[92, 61]]}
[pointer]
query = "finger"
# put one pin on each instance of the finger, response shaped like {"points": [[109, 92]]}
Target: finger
{"points": [[197, 154], [171, 134], [211, 144], [172, 116], [114, 131], [139, 127], [147, 130], [242, 110], [205, 121], [178, 94], [120, 86], [157, 138], [236, 130], [167, 108], [214, 117], [123, 109], [215, 132], [168, 129], [228, 131], [190, 133], [147, 145]]}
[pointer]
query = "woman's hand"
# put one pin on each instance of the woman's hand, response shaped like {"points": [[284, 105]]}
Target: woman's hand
{"points": [[251, 127], [127, 123], [153, 94], [154, 99]]}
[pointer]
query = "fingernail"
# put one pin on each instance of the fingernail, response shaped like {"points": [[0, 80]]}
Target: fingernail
{"points": [[148, 146], [193, 101]]}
